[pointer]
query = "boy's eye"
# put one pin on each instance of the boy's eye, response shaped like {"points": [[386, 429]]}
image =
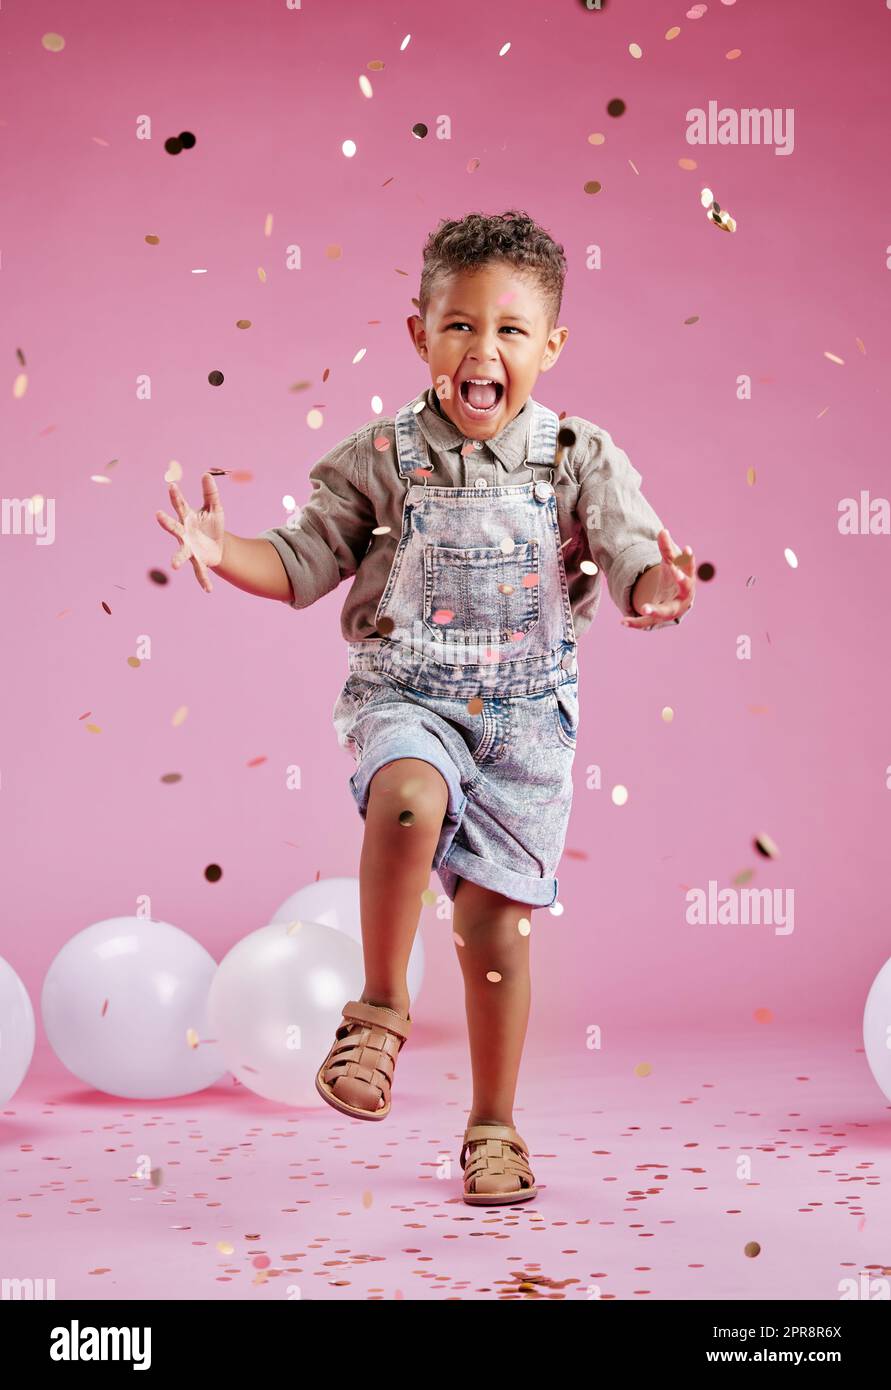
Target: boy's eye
{"points": [[509, 326]]}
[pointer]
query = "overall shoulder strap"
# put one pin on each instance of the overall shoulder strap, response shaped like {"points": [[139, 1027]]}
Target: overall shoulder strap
{"points": [[541, 440]]}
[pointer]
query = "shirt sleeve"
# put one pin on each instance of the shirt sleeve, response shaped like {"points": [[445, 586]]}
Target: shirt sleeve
{"points": [[325, 540], [620, 524]]}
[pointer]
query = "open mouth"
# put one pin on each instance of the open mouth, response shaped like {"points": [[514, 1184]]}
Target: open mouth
{"points": [[481, 396]]}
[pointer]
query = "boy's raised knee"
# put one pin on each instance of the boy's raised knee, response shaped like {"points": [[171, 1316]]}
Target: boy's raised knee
{"points": [[410, 791]]}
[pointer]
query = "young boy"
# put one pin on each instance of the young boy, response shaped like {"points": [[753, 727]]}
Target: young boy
{"points": [[477, 526]]}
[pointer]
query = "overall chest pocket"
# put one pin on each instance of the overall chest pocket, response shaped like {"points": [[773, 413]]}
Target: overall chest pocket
{"points": [[481, 590]]}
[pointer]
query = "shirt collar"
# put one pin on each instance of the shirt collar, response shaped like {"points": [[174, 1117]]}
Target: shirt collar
{"points": [[508, 446]]}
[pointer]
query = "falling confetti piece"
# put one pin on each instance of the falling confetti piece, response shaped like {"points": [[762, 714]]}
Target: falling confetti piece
{"points": [[705, 571], [588, 567], [349, 148], [172, 777], [153, 240], [419, 130], [635, 50], [763, 1016], [503, 50], [428, 897], [859, 343], [458, 939], [192, 1037], [334, 253], [365, 86], [592, 186], [133, 661], [267, 225], [832, 358], [380, 531], [405, 42], [634, 166], [174, 472], [667, 714], [734, 53], [643, 1069], [216, 378], [765, 845], [315, 419], [359, 355], [53, 43], [20, 386], [619, 794], [687, 163], [673, 32], [474, 705], [791, 558], [93, 728], [406, 817], [494, 976], [261, 275], [472, 166], [616, 107], [213, 873], [694, 319], [242, 323], [524, 926], [750, 477], [752, 1249], [367, 1200], [180, 716], [596, 138], [225, 1248], [104, 1009]]}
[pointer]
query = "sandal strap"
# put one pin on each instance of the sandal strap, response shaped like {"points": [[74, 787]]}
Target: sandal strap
{"points": [[378, 1016], [496, 1137]]}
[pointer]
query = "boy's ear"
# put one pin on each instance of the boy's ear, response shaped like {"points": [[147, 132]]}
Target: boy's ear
{"points": [[553, 348], [415, 325]]}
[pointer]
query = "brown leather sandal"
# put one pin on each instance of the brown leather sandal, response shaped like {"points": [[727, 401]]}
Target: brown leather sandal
{"points": [[497, 1170], [362, 1056]]}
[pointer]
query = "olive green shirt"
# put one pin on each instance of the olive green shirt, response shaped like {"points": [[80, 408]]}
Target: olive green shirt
{"points": [[602, 514]]}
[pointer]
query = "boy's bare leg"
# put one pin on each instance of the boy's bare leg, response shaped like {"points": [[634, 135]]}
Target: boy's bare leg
{"points": [[394, 871], [497, 1012]]}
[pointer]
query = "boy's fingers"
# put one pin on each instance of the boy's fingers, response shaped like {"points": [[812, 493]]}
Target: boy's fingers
{"points": [[201, 572], [179, 502], [211, 495], [169, 524]]}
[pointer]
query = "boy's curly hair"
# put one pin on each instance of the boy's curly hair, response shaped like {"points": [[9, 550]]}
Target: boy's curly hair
{"points": [[477, 238]]}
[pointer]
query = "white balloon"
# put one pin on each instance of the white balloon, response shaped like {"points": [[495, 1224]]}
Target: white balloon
{"points": [[16, 1031], [334, 902], [120, 1003], [877, 1029], [275, 1004]]}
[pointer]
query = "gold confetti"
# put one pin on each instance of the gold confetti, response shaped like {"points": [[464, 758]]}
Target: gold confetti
{"points": [[367, 1199], [293, 927], [20, 386], [474, 705], [93, 728], [592, 186], [673, 32], [667, 714], [334, 252], [375, 65], [494, 976], [428, 897], [192, 1037], [153, 240], [53, 43], [180, 716], [225, 1248], [752, 1249], [643, 1069], [635, 50], [596, 138], [687, 163], [765, 845], [172, 777], [261, 274], [242, 323], [133, 661], [750, 477], [832, 358], [267, 225]]}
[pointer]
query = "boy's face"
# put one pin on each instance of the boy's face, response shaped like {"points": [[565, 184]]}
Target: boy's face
{"points": [[489, 324]]}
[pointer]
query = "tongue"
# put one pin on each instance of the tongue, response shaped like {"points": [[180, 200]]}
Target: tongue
{"points": [[481, 396]]}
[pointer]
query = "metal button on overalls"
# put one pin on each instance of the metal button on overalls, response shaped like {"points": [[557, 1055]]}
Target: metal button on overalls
{"points": [[542, 490]]}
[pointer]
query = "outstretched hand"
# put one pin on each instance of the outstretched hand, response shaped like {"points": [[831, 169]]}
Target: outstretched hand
{"points": [[201, 533], [675, 585]]}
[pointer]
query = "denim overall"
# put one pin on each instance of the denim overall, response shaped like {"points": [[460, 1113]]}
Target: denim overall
{"points": [[476, 605]]}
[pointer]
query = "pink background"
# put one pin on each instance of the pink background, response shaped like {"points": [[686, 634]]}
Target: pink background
{"points": [[794, 742]]}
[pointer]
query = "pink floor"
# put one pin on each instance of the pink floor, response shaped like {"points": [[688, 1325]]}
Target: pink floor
{"points": [[640, 1196]]}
